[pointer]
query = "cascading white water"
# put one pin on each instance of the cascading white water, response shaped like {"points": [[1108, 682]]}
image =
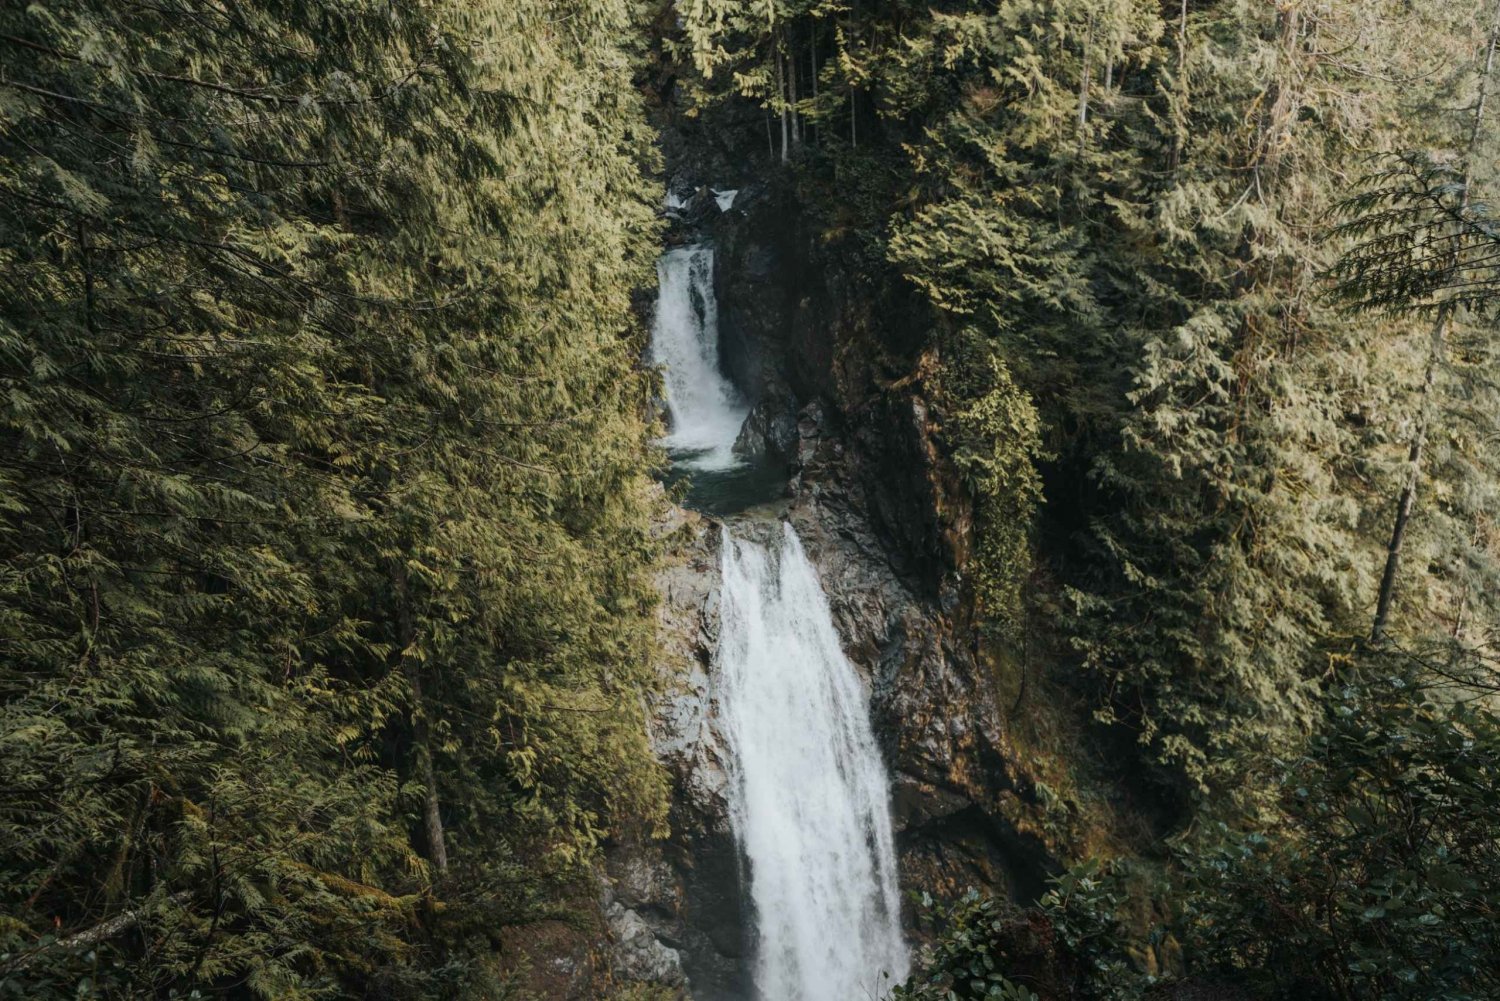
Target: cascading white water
{"points": [[809, 791], [704, 409]]}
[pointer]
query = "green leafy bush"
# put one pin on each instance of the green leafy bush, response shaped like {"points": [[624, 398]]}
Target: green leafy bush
{"points": [[1382, 880], [1071, 945]]}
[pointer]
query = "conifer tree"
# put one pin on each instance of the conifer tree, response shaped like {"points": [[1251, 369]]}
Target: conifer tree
{"points": [[1422, 246], [322, 471], [1129, 203]]}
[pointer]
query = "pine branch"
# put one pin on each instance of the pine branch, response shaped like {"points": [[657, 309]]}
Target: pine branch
{"points": [[1422, 240], [99, 933]]}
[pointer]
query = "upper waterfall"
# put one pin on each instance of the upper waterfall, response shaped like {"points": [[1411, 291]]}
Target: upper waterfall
{"points": [[705, 410], [808, 795]]}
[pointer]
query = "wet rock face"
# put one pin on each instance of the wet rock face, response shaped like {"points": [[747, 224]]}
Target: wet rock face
{"points": [[683, 731], [770, 431], [774, 337], [639, 954], [756, 290], [679, 909], [676, 909], [831, 362], [799, 328], [934, 708]]}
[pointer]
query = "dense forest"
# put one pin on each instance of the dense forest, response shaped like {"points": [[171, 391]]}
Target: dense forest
{"points": [[1209, 288], [325, 489], [329, 503]]}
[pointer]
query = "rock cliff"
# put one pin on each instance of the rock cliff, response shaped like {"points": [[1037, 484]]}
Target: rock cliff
{"points": [[837, 398]]}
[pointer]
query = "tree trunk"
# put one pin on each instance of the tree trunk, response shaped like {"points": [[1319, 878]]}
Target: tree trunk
{"points": [[99, 933], [853, 109], [1484, 94], [1435, 356], [1413, 475], [812, 62], [432, 817], [791, 93], [781, 100], [1083, 91], [1182, 53]]}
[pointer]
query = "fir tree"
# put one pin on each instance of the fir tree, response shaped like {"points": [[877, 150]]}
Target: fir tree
{"points": [[325, 611]]}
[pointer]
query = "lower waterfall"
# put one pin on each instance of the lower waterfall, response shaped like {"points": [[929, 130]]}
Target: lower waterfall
{"points": [[808, 791]]}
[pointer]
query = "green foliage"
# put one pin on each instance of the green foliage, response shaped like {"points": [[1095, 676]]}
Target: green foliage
{"points": [[1382, 878], [1418, 237], [1128, 207], [1234, 553], [1377, 875], [322, 492], [1071, 945], [991, 428], [324, 602], [966, 961], [1422, 243], [1125, 220], [1087, 906]]}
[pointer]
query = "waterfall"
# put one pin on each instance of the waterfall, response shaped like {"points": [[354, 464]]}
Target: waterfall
{"points": [[705, 411], [808, 791], [808, 794]]}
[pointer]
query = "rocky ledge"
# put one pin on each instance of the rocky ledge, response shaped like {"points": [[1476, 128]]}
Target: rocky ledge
{"points": [[677, 909]]}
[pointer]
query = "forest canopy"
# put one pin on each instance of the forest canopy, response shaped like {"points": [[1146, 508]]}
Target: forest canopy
{"points": [[327, 502], [1212, 284], [323, 470]]}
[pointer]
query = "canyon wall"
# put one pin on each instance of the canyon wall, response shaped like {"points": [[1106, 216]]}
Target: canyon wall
{"points": [[827, 357]]}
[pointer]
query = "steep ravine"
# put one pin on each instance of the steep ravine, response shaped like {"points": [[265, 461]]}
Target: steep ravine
{"points": [[868, 492]]}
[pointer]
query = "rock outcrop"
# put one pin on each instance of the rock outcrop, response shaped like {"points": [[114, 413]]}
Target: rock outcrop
{"points": [[936, 706], [686, 891], [833, 368]]}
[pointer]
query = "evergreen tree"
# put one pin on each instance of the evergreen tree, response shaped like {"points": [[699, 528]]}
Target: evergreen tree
{"points": [[325, 518], [1423, 247], [1128, 203]]}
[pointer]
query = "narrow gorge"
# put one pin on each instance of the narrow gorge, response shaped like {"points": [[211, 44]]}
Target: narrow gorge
{"points": [[749, 500], [833, 744], [804, 785]]}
